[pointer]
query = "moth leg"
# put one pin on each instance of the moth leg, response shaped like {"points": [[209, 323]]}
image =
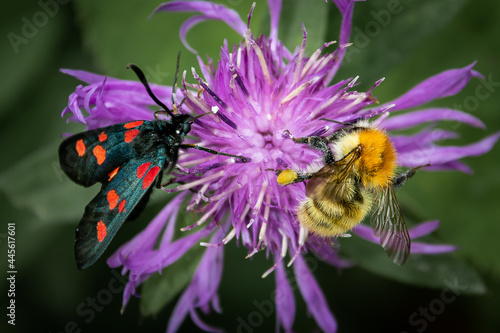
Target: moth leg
{"points": [[211, 151]]}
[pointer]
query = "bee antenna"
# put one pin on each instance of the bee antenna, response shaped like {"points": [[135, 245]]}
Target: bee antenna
{"points": [[335, 121], [142, 78]]}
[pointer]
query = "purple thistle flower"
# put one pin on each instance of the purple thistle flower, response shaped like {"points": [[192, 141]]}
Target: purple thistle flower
{"points": [[259, 92]]}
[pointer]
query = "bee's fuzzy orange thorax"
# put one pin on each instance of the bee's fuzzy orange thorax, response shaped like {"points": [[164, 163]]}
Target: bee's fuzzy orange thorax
{"points": [[377, 161]]}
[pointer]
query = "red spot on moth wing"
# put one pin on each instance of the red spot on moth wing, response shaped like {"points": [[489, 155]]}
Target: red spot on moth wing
{"points": [[133, 124], [130, 135], [150, 177], [113, 173], [121, 206], [112, 199], [102, 137], [141, 170], [80, 147], [100, 154], [101, 231]]}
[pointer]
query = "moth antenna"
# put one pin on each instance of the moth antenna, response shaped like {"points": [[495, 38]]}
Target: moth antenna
{"points": [[143, 80]]}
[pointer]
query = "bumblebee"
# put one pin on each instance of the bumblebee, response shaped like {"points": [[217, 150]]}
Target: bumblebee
{"points": [[359, 176]]}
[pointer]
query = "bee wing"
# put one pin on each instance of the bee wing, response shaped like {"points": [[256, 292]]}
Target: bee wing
{"points": [[388, 223], [319, 179], [325, 183]]}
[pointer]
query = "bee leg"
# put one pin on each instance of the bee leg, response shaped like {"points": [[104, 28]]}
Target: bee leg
{"points": [[303, 176], [400, 179], [211, 151], [289, 176], [319, 143]]}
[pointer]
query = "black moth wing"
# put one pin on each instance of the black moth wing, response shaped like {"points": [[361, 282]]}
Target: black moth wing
{"points": [[388, 223], [90, 156], [112, 206]]}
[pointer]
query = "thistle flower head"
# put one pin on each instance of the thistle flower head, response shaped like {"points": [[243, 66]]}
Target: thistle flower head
{"points": [[260, 95]]}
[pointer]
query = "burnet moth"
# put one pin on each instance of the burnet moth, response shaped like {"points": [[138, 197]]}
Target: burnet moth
{"points": [[128, 159]]}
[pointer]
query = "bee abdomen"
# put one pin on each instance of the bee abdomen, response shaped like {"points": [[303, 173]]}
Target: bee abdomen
{"points": [[333, 218]]}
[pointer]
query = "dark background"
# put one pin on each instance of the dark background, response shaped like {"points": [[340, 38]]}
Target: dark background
{"points": [[423, 39]]}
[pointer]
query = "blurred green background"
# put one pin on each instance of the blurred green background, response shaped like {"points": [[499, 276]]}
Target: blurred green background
{"points": [[422, 39]]}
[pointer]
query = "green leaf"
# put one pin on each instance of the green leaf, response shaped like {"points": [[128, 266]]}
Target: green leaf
{"points": [[436, 271], [160, 289]]}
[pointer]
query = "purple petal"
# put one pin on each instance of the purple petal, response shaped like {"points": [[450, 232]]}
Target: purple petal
{"points": [[424, 139], [346, 9], [423, 229], [453, 165], [328, 254], [275, 11], [415, 232], [441, 85], [148, 237], [209, 11], [440, 155], [435, 114], [422, 248], [313, 296], [209, 274], [285, 302], [202, 289], [419, 230], [87, 77], [201, 324], [366, 233], [110, 101], [186, 26], [152, 261], [180, 311]]}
